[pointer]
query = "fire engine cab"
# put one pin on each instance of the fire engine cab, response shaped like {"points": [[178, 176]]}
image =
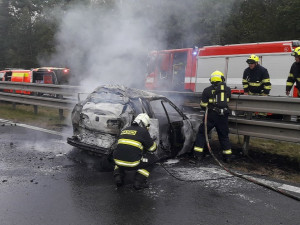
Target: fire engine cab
{"points": [[50, 75], [189, 69]]}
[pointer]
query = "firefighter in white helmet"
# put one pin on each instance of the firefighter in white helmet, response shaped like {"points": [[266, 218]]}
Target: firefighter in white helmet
{"points": [[215, 98], [134, 151], [294, 76]]}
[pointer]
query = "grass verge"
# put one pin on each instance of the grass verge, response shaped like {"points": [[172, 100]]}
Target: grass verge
{"points": [[46, 117]]}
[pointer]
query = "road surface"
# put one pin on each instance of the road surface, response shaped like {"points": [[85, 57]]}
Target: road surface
{"points": [[43, 180]]}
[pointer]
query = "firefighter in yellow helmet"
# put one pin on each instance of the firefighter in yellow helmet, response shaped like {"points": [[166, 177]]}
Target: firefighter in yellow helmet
{"points": [[294, 76], [215, 98], [256, 79], [134, 151]]}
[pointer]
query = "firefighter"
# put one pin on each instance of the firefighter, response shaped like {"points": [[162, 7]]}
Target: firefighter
{"points": [[294, 75], [135, 151], [215, 98], [256, 79]]}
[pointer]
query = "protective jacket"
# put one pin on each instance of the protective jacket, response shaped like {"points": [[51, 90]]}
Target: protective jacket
{"points": [[293, 77], [209, 97], [217, 117], [133, 142], [257, 80]]}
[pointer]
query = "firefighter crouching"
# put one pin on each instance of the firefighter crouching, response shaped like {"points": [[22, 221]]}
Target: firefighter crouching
{"points": [[215, 97], [135, 151]]}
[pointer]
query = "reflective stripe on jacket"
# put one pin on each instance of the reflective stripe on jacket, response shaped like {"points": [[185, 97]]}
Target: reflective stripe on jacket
{"points": [[257, 80], [133, 141], [293, 77]]}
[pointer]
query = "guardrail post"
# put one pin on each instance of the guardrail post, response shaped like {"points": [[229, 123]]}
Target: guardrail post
{"points": [[246, 137], [61, 111], [35, 107], [14, 104]]}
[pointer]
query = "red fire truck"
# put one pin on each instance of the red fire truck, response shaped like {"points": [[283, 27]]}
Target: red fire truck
{"points": [[50, 75], [189, 69]]}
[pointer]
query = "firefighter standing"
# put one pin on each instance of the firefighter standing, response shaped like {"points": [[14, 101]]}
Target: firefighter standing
{"points": [[215, 97], [135, 152], [256, 79], [294, 75]]}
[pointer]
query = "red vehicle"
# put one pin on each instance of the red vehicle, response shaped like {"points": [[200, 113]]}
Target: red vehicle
{"points": [[189, 69], [16, 75], [43, 75], [51, 75], [295, 92]]}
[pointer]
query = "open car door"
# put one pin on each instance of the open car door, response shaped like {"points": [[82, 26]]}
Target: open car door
{"points": [[171, 123]]}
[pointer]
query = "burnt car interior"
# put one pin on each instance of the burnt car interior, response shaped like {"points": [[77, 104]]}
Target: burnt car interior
{"points": [[170, 126]]}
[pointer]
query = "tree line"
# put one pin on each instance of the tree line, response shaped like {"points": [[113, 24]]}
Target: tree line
{"points": [[28, 27]]}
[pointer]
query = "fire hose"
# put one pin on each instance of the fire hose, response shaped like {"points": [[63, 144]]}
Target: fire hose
{"points": [[242, 176]]}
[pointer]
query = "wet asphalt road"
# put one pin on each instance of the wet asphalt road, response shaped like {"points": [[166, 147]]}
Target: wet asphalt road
{"points": [[45, 181]]}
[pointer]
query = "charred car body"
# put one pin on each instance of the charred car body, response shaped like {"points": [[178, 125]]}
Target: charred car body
{"points": [[98, 120]]}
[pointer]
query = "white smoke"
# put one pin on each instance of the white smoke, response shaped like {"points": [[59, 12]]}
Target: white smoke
{"points": [[109, 45], [105, 46]]}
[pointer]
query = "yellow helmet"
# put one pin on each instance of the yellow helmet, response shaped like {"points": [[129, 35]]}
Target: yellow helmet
{"points": [[216, 77], [252, 59], [296, 52]]}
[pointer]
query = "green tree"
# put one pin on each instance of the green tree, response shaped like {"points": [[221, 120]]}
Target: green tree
{"points": [[257, 21], [6, 21], [26, 31]]}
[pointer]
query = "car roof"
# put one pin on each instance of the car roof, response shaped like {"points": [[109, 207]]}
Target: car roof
{"points": [[128, 92]]}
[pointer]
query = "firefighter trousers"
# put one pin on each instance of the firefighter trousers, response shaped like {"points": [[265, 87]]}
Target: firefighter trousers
{"points": [[220, 122], [143, 170]]}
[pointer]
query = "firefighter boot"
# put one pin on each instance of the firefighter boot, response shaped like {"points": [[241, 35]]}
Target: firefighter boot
{"points": [[199, 156], [140, 182], [227, 155], [227, 158], [119, 177]]}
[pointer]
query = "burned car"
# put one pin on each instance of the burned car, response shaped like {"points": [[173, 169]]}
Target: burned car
{"points": [[98, 120]]}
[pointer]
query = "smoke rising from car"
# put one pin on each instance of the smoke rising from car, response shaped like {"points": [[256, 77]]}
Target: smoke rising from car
{"points": [[107, 42], [105, 45]]}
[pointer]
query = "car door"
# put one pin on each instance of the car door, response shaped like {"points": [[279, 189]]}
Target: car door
{"points": [[171, 123]]}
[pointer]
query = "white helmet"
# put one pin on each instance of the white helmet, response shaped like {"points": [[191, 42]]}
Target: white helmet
{"points": [[142, 120]]}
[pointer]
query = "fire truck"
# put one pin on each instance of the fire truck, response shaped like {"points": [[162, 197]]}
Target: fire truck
{"points": [[50, 75], [16, 75], [43, 75], [189, 69]]}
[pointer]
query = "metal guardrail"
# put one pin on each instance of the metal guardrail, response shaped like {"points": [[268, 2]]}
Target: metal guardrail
{"points": [[276, 130], [269, 104], [247, 126], [59, 91], [37, 100], [43, 88]]}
